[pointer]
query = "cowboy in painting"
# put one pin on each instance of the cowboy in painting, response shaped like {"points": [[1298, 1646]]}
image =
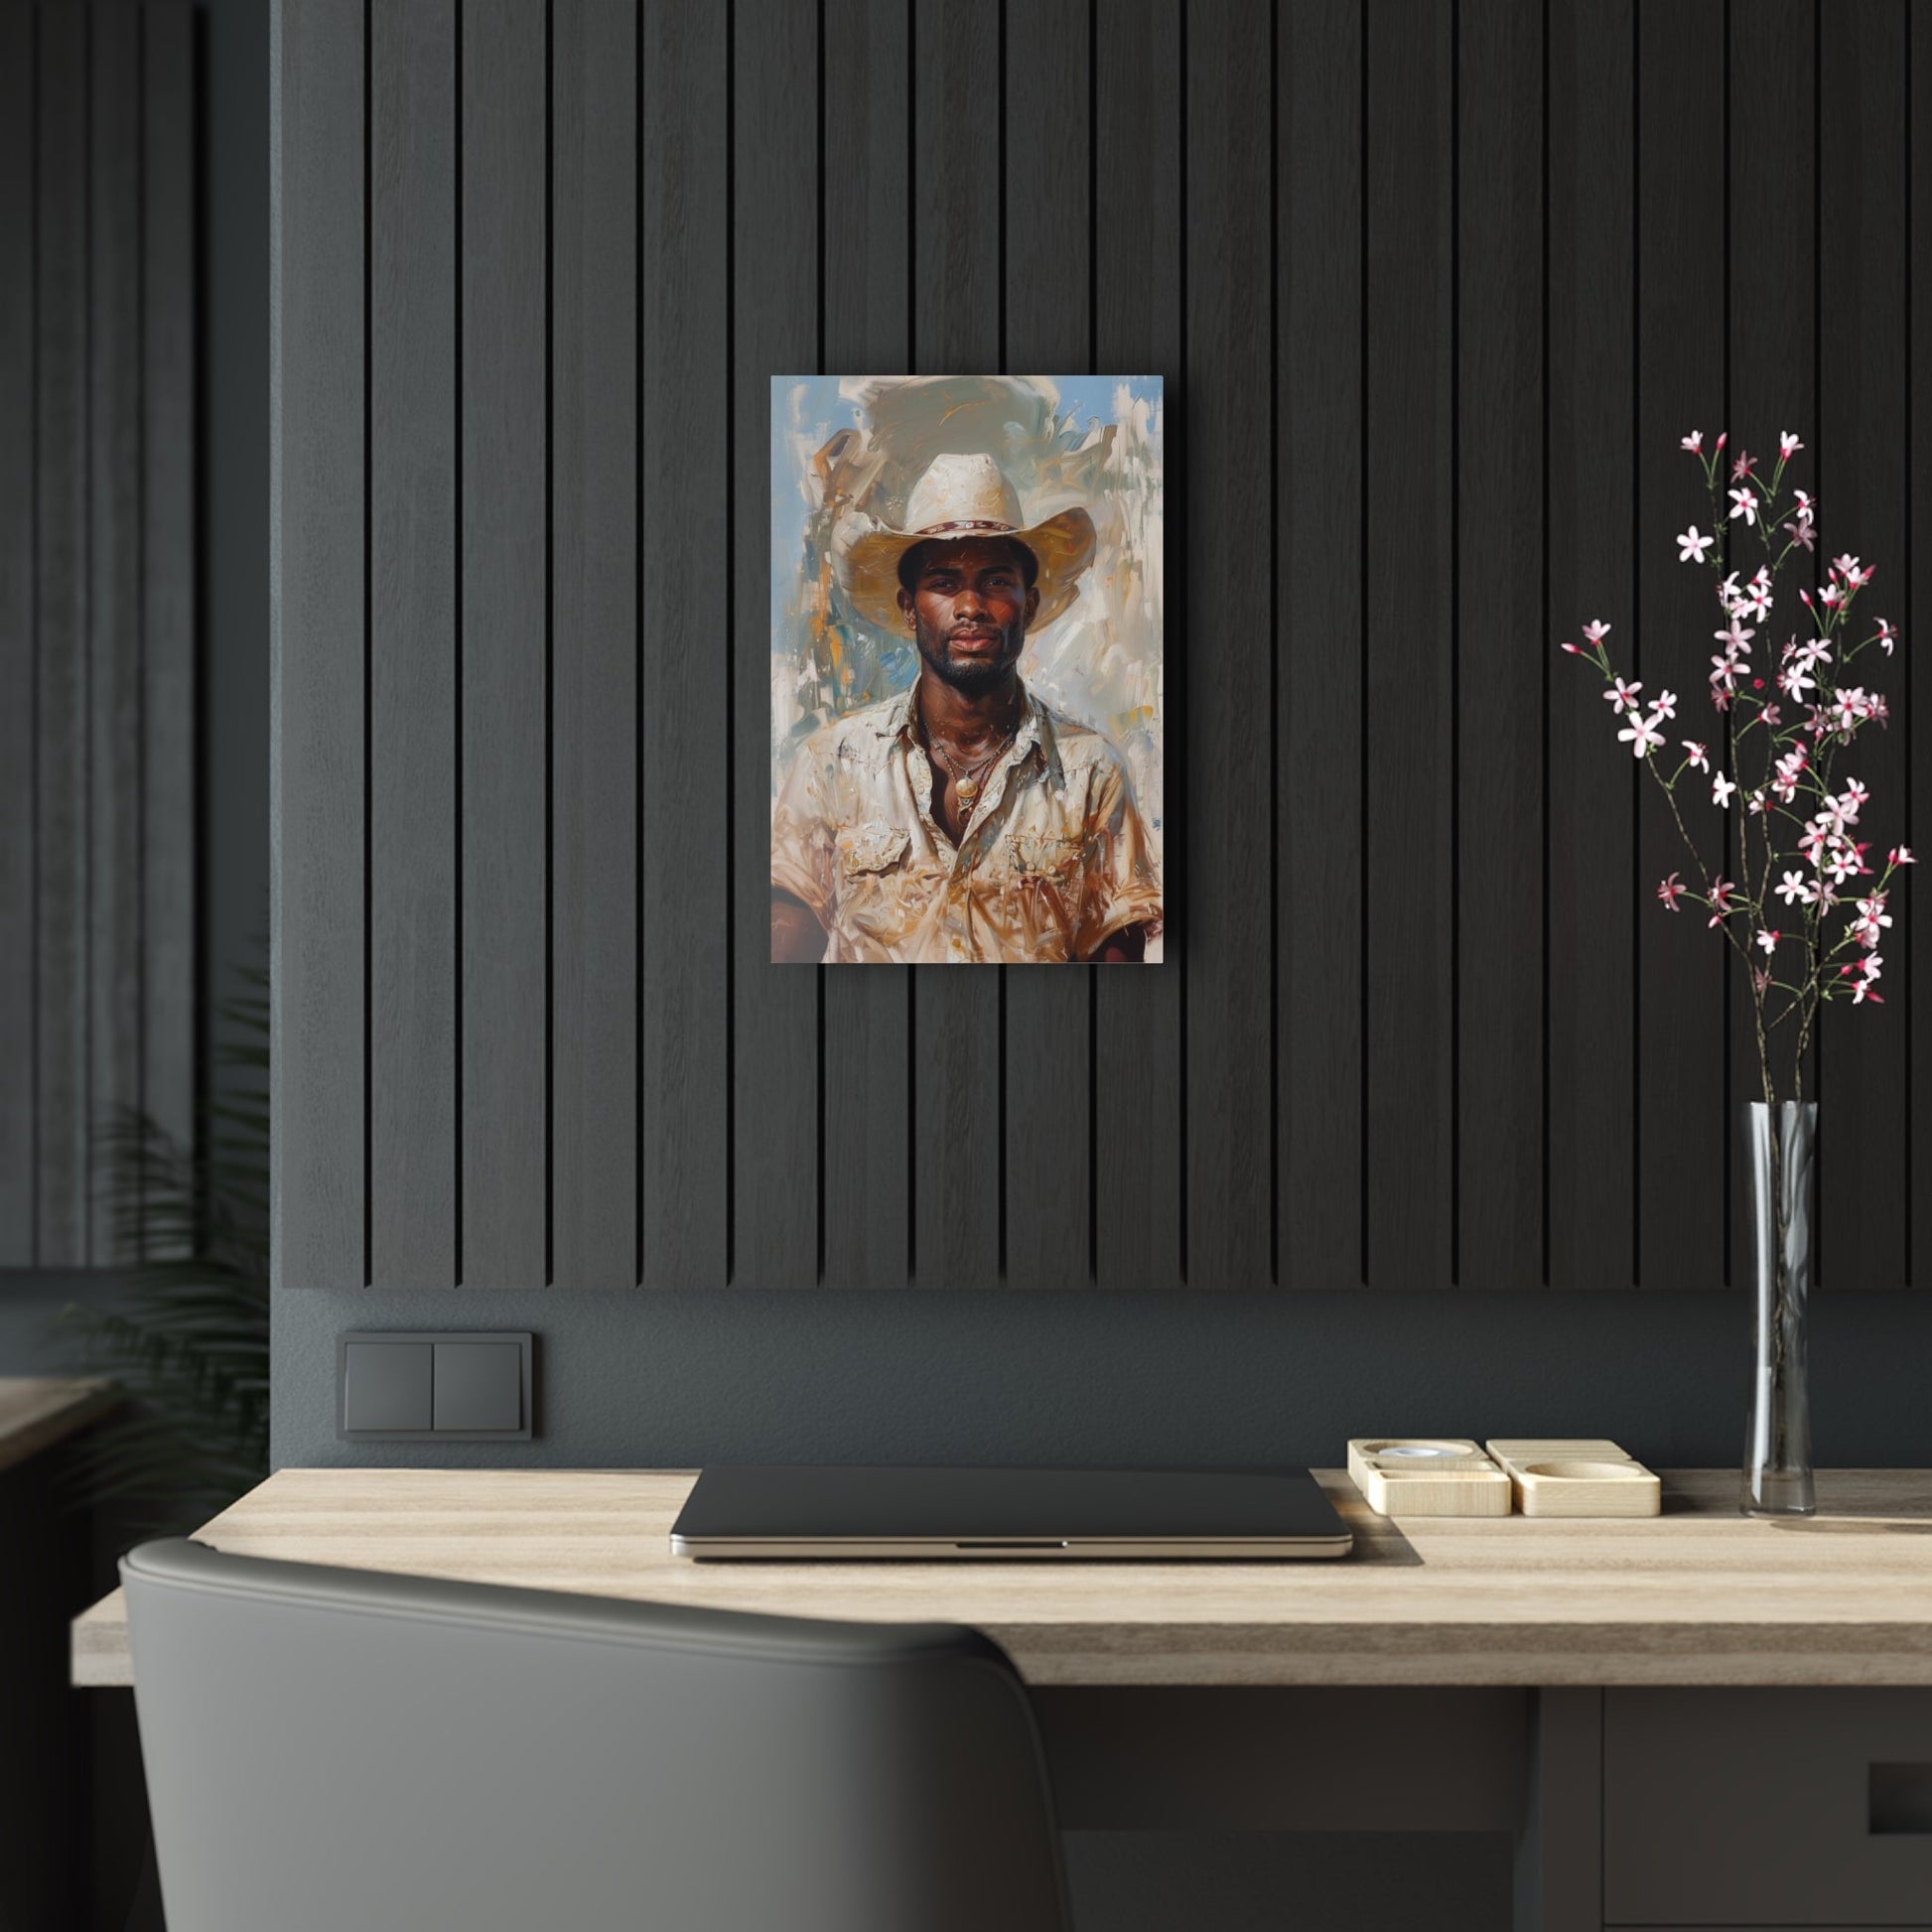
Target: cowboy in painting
{"points": [[963, 820]]}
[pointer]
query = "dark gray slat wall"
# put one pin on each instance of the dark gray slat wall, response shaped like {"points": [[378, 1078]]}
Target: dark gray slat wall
{"points": [[1222, 856], [957, 323], [1502, 654], [318, 429], [887, 1188], [1047, 1145], [61, 695], [412, 642], [1771, 368], [685, 639], [1683, 1107], [97, 844], [1318, 507], [1590, 806], [866, 1142], [1913, 982], [501, 257], [775, 330], [1861, 399], [596, 626], [1138, 326], [1410, 644], [18, 482]]}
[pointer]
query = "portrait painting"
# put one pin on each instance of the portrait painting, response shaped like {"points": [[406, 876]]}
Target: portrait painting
{"points": [[967, 670]]}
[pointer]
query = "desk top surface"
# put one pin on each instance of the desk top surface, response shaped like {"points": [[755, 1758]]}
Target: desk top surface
{"points": [[39, 1410], [1696, 1595]]}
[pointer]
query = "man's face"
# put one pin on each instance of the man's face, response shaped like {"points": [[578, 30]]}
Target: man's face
{"points": [[969, 608]]}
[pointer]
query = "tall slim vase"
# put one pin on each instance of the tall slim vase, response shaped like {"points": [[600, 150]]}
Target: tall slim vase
{"points": [[1780, 1143]]}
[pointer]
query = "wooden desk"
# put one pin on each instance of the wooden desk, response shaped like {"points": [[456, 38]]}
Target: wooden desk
{"points": [[37, 1411], [1696, 1595], [1492, 1675]]}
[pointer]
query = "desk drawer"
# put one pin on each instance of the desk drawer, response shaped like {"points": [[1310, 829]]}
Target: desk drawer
{"points": [[1767, 1807]]}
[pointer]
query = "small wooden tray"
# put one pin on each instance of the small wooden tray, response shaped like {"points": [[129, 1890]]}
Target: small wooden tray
{"points": [[1576, 1475], [1427, 1475]]}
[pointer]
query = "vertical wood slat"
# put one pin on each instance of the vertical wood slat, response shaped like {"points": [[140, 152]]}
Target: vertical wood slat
{"points": [[1318, 495], [1138, 216], [1410, 646], [19, 81], [61, 577], [1773, 360], [594, 618], [956, 320], [113, 646], [1048, 1136], [1228, 891], [1502, 655], [412, 646], [1593, 894], [503, 436], [685, 477], [1862, 1119], [776, 293], [168, 870], [317, 403], [1682, 1104], [1912, 909], [866, 1151]]}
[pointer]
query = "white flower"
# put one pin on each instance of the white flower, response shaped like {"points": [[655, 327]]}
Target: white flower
{"points": [[1788, 446], [1694, 443], [1794, 886], [1642, 735], [1621, 696], [1769, 940], [1596, 631], [1734, 637], [1697, 756], [1744, 505], [1666, 705], [1691, 547], [1721, 790]]}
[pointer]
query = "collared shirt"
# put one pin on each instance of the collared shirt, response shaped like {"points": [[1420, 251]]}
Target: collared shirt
{"points": [[1053, 861]]}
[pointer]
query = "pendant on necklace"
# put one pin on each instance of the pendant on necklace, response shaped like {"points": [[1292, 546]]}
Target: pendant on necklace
{"points": [[967, 788]]}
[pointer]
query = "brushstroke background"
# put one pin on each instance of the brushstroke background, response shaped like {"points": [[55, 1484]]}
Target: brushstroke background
{"points": [[844, 442]]}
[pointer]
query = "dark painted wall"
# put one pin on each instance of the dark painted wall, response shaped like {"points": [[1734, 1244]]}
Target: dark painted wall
{"points": [[1437, 289]]}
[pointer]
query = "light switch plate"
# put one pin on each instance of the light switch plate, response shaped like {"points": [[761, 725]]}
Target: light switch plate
{"points": [[434, 1385]]}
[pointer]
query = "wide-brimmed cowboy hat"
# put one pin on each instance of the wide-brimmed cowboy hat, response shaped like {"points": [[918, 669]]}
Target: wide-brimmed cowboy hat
{"points": [[960, 496]]}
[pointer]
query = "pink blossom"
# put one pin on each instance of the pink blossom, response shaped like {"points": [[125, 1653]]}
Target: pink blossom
{"points": [[1576, 650], [1768, 940], [1847, 565], [1735, 635], [1807, 506], [1596, 631], [1886, 634], [1872, 962], [1761, 980], [1744, 505], [1621, 696], [1900, 855], [1801, 533], [1642, 735], [1691, 546], [1794, 886], [1723, 437], [1666, 705], [1793, 682], [1770, 715], [1697, 756], [1722, 903], [1741, 467], [1788, 446], [1670, 891], [1694, 443], [1848, 707]]}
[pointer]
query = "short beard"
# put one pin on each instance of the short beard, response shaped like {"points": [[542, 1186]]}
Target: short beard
{"points": [[971, 679]]}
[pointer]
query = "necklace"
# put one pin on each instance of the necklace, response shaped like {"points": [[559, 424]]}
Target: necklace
{"points": [[966, 777]]}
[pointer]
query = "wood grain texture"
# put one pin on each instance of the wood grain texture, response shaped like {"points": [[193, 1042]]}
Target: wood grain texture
{"points": [[170, 744], [1138, 216], [63, 892], [37, 1411], [1863, 357], [866, 1131], [1046, 1138], [594, 744], [1683, 1112], [503, 249], [1697, 1596], [685, 481], [1410, 642], [1502, 654], [1914, 917], [775, 332], [1226, 895], [316, 426], [1319, 717], [114, 638], [18, 1150], [958, 281], [413, 578]]}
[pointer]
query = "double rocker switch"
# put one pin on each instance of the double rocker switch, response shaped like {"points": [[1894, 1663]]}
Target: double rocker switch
{"points": [[454, 1387]]}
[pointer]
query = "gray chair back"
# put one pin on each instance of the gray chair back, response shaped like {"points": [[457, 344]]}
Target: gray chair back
{"points": [[342, 1750]]}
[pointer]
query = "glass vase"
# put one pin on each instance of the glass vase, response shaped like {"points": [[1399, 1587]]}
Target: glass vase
{"points": [[1779, 1143]]}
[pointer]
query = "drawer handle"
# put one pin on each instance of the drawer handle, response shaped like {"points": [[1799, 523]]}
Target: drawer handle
{"points": [[1901, 1798]]}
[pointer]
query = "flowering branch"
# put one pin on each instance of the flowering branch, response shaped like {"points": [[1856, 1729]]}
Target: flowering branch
{"points": [[1798, 819]]}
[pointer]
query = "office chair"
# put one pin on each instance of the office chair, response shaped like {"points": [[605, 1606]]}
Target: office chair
{"points": [[342, 1750]]}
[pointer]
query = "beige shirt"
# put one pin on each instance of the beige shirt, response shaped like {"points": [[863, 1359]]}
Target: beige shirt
{"points": [[1054, 859]]}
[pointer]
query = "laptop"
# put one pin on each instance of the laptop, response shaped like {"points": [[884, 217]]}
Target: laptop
{"points": [[1116, 1515]]}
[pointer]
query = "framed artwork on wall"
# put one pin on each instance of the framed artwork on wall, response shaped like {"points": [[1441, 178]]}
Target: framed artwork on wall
{"points": [[967, 673]]}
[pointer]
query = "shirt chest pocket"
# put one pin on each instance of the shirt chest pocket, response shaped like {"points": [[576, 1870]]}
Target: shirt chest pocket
{"points": [[868, 850], [1054, 856]]}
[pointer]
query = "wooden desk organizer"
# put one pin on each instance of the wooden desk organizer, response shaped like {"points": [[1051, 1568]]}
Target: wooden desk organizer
{"points": [[1579, 1475], [1439, 1475]]}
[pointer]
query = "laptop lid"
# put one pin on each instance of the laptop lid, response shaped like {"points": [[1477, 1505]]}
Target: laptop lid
{"points": [[818, 1511]]}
